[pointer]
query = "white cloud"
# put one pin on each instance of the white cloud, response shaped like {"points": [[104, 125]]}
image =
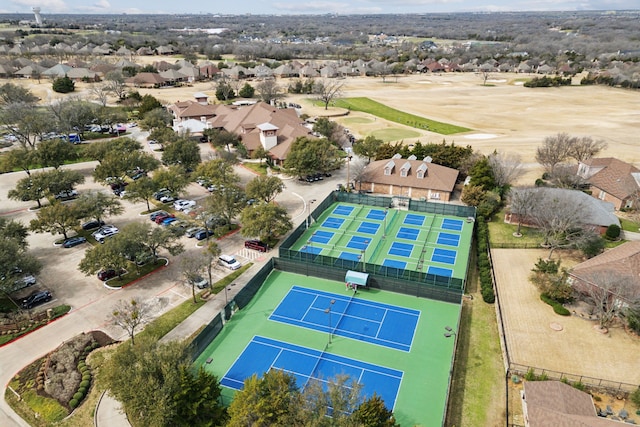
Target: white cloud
{"points": [[47, 6]]}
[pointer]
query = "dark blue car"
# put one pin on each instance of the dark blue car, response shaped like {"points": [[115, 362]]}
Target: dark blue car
{"points": [[73, 241], [203, 234]]}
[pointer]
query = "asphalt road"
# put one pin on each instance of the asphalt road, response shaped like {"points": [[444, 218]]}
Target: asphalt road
{"points": [[91, 302]]}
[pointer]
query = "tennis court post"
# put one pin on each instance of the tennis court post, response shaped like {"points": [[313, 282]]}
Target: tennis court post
{"points": [[328, 311]]}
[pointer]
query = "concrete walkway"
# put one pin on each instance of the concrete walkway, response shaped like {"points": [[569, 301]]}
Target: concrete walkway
{"points": [[109, 413]]}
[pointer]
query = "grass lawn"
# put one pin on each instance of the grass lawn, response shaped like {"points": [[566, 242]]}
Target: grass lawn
{"points": [[629, 225], [372, 107], [260, 168], [134, 272], [394, 134], [356, 120], [477, 395], [501, 234]]}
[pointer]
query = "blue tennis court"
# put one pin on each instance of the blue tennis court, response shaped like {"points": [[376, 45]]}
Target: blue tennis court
{"points": [[358, 242], [333, 222], [452, 224], [413, 219], [448, 239], [321, 236], [343, 210], [446, 272], [373, 322], [401, 249], [408, 233], [368, 227], [263, 354], [349, 255], [376, 214], [308, 249], [394, 263], [444, 256]]}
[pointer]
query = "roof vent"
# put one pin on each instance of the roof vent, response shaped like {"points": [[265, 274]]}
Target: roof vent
{"points": [[427, 159], [397, 156], [412, 157]]}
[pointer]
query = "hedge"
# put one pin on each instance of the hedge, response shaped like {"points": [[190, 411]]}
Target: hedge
{"points": [[557, 307], [484, 266]]}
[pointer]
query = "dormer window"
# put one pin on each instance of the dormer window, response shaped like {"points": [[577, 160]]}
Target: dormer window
{"points": [[404, 171], [388, 168], [421, 171]]}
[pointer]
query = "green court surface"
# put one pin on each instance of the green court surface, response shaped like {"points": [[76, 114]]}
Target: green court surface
{"points": [[417, 241], [422, 395]]}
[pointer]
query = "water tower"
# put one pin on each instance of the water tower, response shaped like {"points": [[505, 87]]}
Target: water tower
{"points": [[36, 12]]}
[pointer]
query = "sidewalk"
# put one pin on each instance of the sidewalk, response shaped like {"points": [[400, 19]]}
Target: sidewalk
{"points": [[109, 413]]}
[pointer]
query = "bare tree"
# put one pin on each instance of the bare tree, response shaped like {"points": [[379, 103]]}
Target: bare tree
{"points": [[560, 219], [586, 147], [116, 84], [268, 90], [521, 202], [327, 91], [554, 150], [610, 292], [100, 93], [193, 267], [506, 167], [486, 75], [129, 315]]}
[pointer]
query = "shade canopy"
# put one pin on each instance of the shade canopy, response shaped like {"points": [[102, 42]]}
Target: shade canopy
{"points": [[356, 277]]}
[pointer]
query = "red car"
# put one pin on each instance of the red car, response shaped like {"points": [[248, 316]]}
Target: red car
{"points": [[105, 275], [256, 245], [160, 218]]}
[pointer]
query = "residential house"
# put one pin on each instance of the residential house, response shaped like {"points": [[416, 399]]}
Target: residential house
{"points": [[147, 80], [409, 178], [554, 403], [596, 213], [612, 180], [619, 264]]}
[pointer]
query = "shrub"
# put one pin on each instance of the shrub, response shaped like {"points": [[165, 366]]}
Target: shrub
{"points": [[579, 386], [73, 403], [557, 307], [530, 375], [82, 390], [63, 85], [635, 397], [613, 232], [86, 377], [85, 383], [596, 398]]}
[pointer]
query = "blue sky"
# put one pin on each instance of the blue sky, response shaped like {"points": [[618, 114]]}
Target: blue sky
{"points": [[307, 6]]}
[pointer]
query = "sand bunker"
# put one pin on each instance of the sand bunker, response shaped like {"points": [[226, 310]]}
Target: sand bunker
{"points": [[481, 136]]}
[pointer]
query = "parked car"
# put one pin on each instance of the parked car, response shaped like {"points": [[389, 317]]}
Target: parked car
{"points": [[229, 262], [182, 204], [110, 273], [203, 234], [167, 198], [169, 220], [161, 193], [36, 298], [66, 194], [156, 214], [256, 245], [105, 231], [73, 241], [191, 232], [24, 282], [200, 282], [161, 218], [90, 225]]}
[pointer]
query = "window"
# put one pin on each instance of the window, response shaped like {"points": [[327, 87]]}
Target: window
{"points": [[387, 171], [602, 195], [435, 196], [420, 174], [403, 172]]}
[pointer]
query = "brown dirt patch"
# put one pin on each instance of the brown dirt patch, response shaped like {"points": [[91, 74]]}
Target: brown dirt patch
{"points": [[576, 349]]}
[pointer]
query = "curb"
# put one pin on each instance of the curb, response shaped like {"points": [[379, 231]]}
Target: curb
{"points": [[133, 282], [33, 330]]}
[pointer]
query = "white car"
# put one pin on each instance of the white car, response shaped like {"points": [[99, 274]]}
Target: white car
{"points": [[182, 204], [228, 261], [105, 231], [67, 194]]}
